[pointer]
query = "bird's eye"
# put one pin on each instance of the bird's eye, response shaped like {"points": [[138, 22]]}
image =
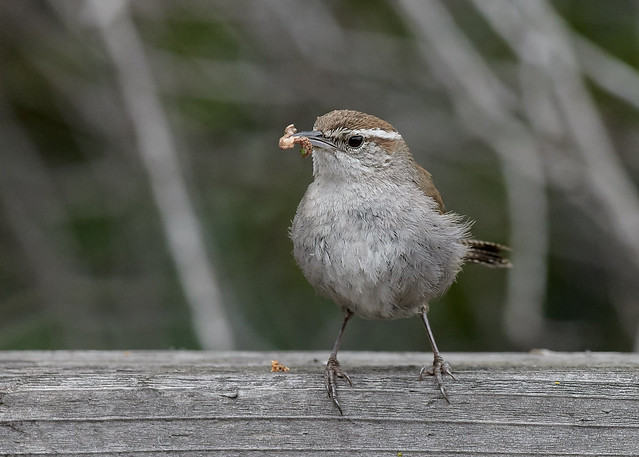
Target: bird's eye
{"points": [[355, 141]]}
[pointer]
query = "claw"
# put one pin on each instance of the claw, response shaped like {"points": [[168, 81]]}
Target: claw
{"points": [[439, 368], [334, 370]]}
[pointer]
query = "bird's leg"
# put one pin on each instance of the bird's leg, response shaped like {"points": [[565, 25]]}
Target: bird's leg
{"points": [[439, 368], [332, 366]]}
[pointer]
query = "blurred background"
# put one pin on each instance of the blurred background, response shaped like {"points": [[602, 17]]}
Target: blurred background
{"points": [[144, 202]]}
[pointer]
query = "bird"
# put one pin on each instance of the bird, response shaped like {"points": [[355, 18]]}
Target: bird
{"points": [[372, 234]]}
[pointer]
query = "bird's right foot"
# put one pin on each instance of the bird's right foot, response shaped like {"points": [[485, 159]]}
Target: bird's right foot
{"points": [[333, 370]]}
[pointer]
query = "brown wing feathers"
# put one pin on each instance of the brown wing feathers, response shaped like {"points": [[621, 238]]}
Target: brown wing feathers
{"points": [[482, 252]]}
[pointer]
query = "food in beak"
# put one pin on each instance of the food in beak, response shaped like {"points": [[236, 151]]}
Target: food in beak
{"points": [[288, 141]]}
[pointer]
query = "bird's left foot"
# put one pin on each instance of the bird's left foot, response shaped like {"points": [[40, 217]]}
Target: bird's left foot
{"points": [[439, 368]]}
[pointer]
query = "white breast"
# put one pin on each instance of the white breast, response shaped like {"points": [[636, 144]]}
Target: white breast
{"points": [[382, 251]]}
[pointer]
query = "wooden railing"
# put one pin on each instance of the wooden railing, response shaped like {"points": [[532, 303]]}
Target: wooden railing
{"points": [[231, 404]]}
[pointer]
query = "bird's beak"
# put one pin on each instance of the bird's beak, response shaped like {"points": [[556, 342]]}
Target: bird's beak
{"points": [[318, 139]]}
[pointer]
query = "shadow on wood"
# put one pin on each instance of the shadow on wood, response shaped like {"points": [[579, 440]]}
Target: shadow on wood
{"points": [[230, 404]]}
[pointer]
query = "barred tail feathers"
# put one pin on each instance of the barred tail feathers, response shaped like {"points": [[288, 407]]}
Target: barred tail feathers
{"points": [[487, 253]]}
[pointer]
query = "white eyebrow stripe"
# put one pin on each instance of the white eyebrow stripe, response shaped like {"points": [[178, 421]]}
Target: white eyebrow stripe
{"points": [[378, 133]]}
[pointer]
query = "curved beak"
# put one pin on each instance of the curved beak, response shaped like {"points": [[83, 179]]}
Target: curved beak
{"points": [[318, 139]]}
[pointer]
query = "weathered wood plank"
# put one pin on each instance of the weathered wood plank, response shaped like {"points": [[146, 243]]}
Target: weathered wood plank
{"points": [[208, 403]]}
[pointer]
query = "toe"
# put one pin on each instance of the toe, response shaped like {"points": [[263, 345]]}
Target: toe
{"points": [[332, 371]]}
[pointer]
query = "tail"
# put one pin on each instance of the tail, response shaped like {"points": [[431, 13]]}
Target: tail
{"points": [[487, 253]]}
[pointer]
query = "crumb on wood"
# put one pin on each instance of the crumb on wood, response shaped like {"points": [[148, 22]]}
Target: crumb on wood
{"points": [[276, 365], [288, 141]]}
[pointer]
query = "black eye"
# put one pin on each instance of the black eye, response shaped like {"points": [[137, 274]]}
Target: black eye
{"points": [[355, 141]]}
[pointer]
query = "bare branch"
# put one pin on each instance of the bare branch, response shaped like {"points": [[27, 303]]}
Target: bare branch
{"points": [[610, 73], [544, 44], [157, 149], [486, 106]]}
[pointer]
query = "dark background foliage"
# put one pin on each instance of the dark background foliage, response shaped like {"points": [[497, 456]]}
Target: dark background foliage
{"points": [[144, 202]]}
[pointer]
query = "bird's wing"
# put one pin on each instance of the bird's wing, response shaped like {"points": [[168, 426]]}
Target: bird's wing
{"points": [[425, 182]]}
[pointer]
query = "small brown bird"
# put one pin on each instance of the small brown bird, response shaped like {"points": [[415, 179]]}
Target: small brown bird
{"points": [[371, 233]]}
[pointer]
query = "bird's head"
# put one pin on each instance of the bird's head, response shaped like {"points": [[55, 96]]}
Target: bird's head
{"points": [[348, 142]]}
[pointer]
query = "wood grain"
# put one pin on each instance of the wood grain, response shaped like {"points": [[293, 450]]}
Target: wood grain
{"points": [[230, 404]]}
